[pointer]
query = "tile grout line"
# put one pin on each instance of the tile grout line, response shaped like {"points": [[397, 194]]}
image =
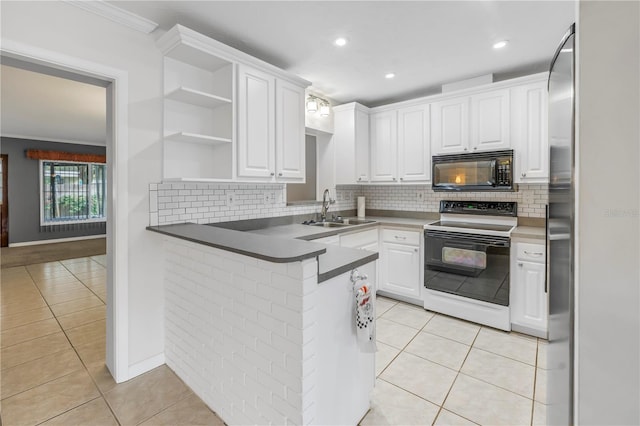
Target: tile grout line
{"points": [[95, 383], [456, 378], [86, 286], [79, 358]]}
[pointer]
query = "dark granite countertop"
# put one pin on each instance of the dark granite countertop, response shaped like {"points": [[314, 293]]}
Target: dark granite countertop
{"points": [[284, 243], [276, 250]]}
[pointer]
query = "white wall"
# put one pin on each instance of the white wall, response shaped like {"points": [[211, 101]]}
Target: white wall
{"points": [[608, 230], [68, 30]]}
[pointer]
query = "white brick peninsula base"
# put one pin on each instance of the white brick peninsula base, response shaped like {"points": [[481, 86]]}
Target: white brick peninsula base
{"points": [[247, 336]]}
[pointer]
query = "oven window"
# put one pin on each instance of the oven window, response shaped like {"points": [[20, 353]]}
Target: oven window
{"points": [[465, 173], [464, 257]]}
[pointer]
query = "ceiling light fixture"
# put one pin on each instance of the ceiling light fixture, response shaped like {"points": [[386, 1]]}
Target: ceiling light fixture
{"points": [[500, 44], [315, 103], [389, 75], [340, 41]]}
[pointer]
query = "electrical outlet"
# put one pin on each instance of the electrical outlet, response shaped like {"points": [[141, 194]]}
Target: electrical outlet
{"points": [[269, 197], [420, 196], [231, 199]]}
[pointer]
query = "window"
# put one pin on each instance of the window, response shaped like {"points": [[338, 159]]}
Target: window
{"points": [[72, 192]]}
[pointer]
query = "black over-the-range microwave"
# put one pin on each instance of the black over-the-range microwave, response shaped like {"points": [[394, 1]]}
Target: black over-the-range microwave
{"points": [[478, 171]]}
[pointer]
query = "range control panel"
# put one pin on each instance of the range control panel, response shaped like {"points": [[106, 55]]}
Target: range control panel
{"points": [[492, 208]]}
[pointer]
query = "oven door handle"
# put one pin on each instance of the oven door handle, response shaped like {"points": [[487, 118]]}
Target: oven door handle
{"points": [[484, 241]]}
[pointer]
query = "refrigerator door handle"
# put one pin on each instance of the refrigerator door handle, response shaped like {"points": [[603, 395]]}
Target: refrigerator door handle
{"points": [[546, 242]]}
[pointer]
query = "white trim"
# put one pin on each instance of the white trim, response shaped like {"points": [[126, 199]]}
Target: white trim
{"points": [[58, 240], [117, 15], [502, 84], [148, 364], [117, 155], [40, 138]]}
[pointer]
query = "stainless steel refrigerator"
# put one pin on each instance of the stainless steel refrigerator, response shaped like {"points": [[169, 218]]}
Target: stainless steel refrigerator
{"points": [[560, 234]]}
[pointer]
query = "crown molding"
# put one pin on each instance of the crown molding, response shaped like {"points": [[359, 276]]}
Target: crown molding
{"points": [[116, 14]]}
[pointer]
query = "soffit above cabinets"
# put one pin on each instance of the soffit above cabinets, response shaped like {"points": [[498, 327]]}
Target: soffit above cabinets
{"points": [[425, 43]]}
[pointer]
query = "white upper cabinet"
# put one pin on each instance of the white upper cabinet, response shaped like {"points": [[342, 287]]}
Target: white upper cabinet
{"points": [[531, 143], [290, 140], [256, 123], [384, 146], [414, 153], [351, 140], [490, 121], [227, 115], [471, 123], [450, 126]]}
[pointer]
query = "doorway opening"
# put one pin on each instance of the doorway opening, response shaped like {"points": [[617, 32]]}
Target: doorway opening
{"points": [[114, 349]]}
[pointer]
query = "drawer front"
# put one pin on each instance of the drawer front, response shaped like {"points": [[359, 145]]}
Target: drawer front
{"points": [[359, 239], [531, 252], [401, 237]]}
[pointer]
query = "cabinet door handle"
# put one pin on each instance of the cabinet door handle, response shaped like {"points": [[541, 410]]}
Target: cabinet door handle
{"points": [[279, 174], [465, 149], [397, 237], [359, 178], [416, 250], [524, 174], [272, 174], [533, 253], [520, 264], [475, 147], [401, 178]]}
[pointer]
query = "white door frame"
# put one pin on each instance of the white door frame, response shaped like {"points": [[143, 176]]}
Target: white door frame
{"points": [[117, 357]]}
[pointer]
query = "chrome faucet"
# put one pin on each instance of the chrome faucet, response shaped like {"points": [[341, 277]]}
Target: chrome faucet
{"points": [[325, 205]]}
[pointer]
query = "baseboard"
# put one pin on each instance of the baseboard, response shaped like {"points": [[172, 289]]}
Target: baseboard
{"points": [[146, 365], [57, 240]]}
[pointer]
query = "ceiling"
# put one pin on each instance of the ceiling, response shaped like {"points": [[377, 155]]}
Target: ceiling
{"points": [[425, 43], [46, 107]]}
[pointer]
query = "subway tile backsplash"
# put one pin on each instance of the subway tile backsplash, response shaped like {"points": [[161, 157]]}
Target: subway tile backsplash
{"points": [[531, 199], [222, 202]]}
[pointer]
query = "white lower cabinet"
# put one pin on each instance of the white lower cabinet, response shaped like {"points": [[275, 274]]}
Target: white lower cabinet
{"points": [[333, 240], [400, 263], [528, 295], [363, 240]]}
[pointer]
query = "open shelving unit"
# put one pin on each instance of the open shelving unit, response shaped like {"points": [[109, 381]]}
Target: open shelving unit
{"points": [[198, 109]]}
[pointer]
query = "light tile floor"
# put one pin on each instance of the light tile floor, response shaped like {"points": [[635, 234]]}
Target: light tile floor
{"points": [[431, 369], [52, 343], [434, 369]]}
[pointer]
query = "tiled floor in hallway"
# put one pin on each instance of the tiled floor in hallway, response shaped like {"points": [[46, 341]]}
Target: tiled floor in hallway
{"points": [[431, 369], [434, 369], [53, 349]]}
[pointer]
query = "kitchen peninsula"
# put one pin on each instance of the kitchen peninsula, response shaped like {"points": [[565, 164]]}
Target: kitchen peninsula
{"points": [[262, 328]]}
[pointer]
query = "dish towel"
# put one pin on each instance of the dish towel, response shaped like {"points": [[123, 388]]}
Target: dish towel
{"points": [[365, 319]]}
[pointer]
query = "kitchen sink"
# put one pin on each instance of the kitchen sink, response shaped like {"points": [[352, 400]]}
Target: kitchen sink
{"points": [[350, 222], [330, 224], [359, 221]]}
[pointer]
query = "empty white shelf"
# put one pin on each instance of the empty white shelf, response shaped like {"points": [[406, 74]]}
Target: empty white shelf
{"points": [[197, 97], [197, 138]]}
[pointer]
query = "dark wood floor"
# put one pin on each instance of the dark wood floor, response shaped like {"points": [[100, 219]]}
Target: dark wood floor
{"points": [[28, 255]]}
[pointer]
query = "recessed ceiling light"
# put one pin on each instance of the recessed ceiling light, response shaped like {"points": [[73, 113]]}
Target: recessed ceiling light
{"points": [[389, 75], [341, 41], [500, 44]]}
